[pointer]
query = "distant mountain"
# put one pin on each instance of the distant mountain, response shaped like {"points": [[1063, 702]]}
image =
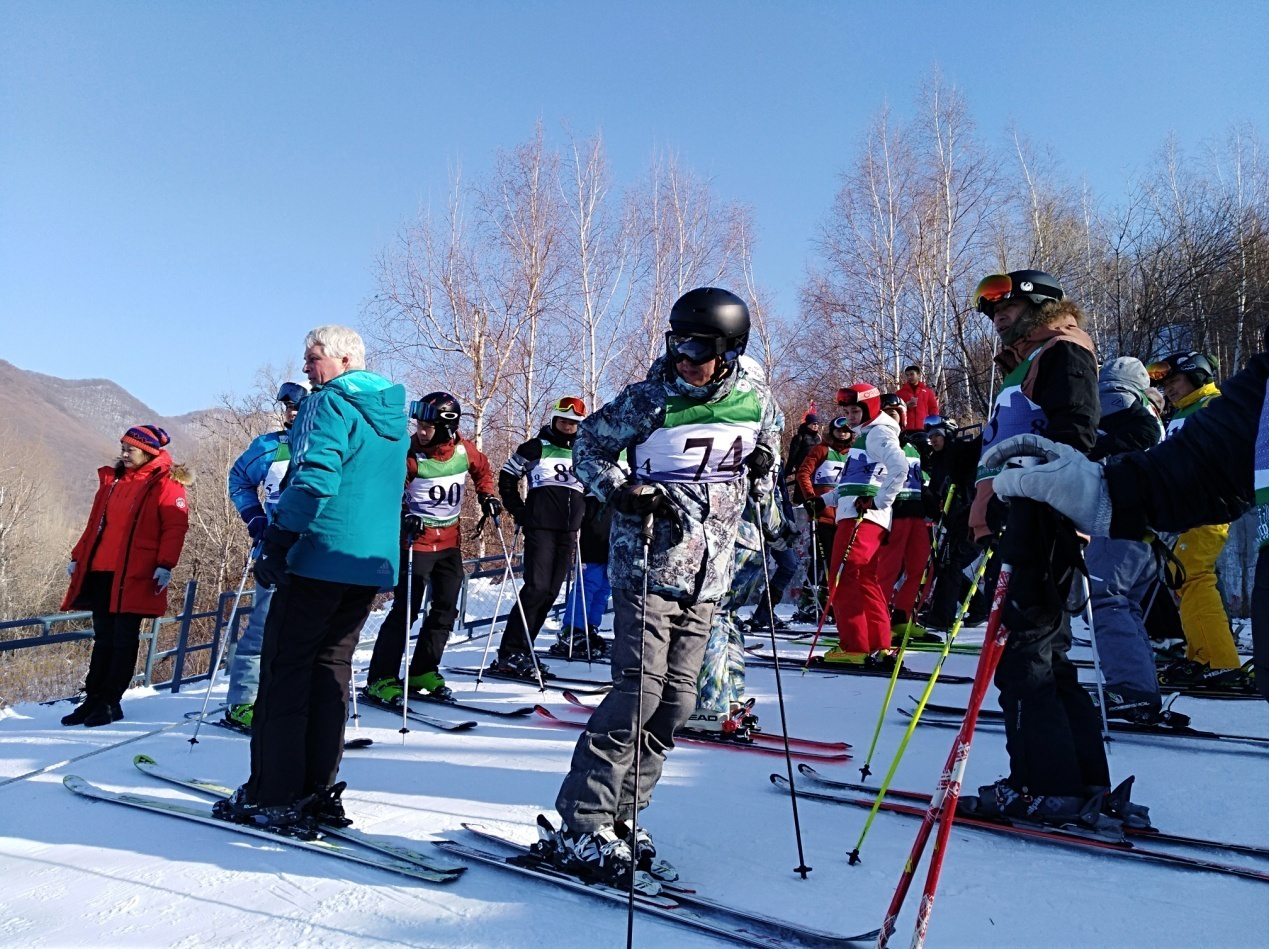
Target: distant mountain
{"points": [[73, 424]]}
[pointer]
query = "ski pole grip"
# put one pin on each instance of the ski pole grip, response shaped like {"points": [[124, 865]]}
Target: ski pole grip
{"points": [[645, 529]]}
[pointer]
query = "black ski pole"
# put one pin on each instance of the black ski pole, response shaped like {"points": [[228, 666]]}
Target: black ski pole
{"points": [[405, 646], [645, 534], [801, 868]]}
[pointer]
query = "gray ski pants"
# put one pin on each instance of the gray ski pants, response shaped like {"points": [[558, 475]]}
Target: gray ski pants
{"points": [[599, 787], [1120, 573]]}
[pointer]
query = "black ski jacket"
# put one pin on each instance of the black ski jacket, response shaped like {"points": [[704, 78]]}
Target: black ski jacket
{"points": [[596, 526], [546, 508], [1132, 429], [1203, 474]]}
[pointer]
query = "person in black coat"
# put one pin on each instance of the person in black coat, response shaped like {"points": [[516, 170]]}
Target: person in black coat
{"points": [[808, 434]]}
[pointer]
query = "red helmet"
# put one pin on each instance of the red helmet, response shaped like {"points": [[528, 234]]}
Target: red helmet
{"points": [[865, 395]]}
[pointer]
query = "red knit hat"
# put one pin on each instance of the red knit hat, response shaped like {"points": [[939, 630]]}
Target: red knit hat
{"points": [[149, 438]]}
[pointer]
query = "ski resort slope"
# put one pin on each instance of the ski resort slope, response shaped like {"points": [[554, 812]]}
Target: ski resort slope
{"points": [[80, 872]]}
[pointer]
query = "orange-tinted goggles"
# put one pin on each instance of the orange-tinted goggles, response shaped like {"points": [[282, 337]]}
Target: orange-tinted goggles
{"points": [[1159, 370], [571, 403], [991, 290]]}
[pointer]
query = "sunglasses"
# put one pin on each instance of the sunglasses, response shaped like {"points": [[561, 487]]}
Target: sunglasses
{"points": [[990, 291]]}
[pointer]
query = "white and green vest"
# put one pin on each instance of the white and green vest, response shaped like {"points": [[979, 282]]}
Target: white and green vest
{"points": [[1012, 414], [276, 474], [911, 490], [702, 441], [436, 492], [861, 476], [554, 469]]}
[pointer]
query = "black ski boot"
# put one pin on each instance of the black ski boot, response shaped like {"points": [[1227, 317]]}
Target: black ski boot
{"points": [[1001, 801], [571, 643], [646, 854], [326, 807], [601, 855], [289, 820], [598, 645], [1116, 803], [1188, 674], [521, 666]]}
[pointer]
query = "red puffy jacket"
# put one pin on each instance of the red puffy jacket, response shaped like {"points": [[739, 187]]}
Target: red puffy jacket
{"points": [[155, 518], [921, 403]]}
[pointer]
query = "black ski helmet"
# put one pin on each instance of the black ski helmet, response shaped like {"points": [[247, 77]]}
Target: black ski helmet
{"points": [[708, 323], [441, 410], [1199, 368], [1034, 285]]}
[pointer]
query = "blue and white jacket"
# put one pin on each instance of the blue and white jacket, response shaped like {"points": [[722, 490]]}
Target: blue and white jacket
{"points": [[260, 465]]}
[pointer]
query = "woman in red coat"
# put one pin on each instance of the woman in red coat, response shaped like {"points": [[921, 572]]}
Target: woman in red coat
{"points": [[121, 567]]}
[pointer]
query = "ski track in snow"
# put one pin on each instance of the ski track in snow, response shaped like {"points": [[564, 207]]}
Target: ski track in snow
{"points": [[79, 872]]}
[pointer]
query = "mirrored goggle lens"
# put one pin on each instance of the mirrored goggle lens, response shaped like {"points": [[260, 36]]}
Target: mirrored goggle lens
{"points": [[292, 393], [1159, 370], [696, 348], [571, 404], [990, 290], [839, 425], [426, 412], [934, 421]]}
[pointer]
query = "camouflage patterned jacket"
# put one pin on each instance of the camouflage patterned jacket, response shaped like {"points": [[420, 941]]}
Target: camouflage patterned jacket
{"points": [[692, 442]]}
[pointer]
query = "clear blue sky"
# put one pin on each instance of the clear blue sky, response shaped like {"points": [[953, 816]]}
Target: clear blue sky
{"points": [[185, 188]]}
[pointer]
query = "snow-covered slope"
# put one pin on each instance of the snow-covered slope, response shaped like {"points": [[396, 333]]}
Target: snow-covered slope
{"points": [[79, 872]]}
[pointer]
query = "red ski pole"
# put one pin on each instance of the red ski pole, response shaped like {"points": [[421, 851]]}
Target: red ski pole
{"points": [[943, 803]]}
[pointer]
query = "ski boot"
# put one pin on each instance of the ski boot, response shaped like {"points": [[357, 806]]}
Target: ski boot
{"points": [[1001, 801], [1116, 803], [432, 685], [602, 855], [839, 656], [1168, 651], [326, 807], [238, 717], [807, 614], [387, 690], [919, 634], [1188, 674], [646, 854], [706, 720], [742, 714], [598, 645], [104, 714], [570, 643], [761, 621], [289, 820], [1141, 708], [520, 665]]}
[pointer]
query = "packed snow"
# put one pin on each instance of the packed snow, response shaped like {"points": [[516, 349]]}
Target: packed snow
{"points": [[80, 872]]}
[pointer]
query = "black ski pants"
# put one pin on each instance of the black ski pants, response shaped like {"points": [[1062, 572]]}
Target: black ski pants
{"points": [[950, 582], [297, 734], [444, 570], [1260, 622], [547, 556], [115, 640]]}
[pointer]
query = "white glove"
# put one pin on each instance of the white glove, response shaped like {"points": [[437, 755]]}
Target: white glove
{"points": [[70, 569], [162, 577], [1064, 480]]}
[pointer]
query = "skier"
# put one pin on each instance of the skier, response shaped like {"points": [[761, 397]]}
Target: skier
{"points": [[907, 547], [871, 480], [1172, 487], [550, 515], [952, 462], [816, 477], [694, 428], [1188, 380], [1121, 571], [919, 399], [122, 564], [263, 465], [436, 472], [1057, 764], [330, 550], [588, 600]]}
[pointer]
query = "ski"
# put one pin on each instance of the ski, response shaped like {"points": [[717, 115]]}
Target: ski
{"points": [[442, 723], [508, 711], [1054, 835], [147, 765], [702, 738], [994, 718], [1159, 836], [549, 656], [738, 926], [832, 668], [203, 815], [551, 680], [811, 744], [352, 744]]}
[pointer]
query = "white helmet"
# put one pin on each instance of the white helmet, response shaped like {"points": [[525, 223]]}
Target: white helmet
{"points": [[571, 408], [753, 369]]}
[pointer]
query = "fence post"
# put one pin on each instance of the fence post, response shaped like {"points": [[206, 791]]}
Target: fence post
{"points": [[147, 677], [182, 641]]}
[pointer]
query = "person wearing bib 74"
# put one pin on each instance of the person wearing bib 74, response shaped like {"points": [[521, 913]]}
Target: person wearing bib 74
{"points": [[697, 430], [436, 472], [263, 465]]}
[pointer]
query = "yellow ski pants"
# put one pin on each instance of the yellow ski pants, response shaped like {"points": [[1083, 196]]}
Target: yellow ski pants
{"points": [[1207, 635]]}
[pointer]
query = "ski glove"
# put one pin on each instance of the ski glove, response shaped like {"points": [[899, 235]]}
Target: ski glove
{"points": [[412, 524], [162, 577], [760, 462], [788, 538], [640, 500], [271, 568], [256, 521], [815, 506], [70, 569], [490, 506], [863, 504], [1063, 479]]}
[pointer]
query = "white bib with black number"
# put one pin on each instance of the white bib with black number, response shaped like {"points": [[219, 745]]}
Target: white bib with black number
{"points": [[436, 492], [702, 441]]}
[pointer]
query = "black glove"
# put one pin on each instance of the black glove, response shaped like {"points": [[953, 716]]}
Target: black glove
{"points": [[271, 568], [789, 537], [490, 506], [815, 506], [257, 522], [638, 500], [864, 503], [760, 462], [412, 524]]}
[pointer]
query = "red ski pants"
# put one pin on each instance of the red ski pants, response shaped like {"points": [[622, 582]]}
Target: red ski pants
{"points": [[860, 607], [905, 552]]}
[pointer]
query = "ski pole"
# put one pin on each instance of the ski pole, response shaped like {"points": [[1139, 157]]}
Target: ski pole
{"points": [[645, 535], [801, 868], [506, 556], [220, 653], [948, 789], [406, 657], [925, 697], [1097, 663], [582, 593], [866, 770], [828, 597], [493, 621], [939, 536], [569, 584]]}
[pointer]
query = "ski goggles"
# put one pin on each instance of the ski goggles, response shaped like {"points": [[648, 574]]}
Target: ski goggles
{"points": [[990, 291], [840, 427], [291, 393], [1158, 371], [570, 403], [427, 412], [698, 349]]}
